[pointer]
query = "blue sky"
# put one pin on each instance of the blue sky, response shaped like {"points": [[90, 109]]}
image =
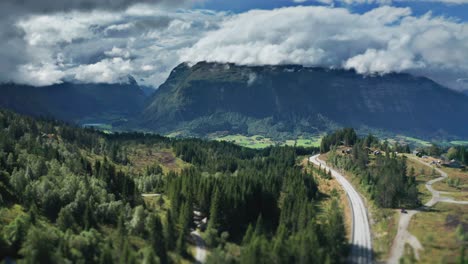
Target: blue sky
{"points": [[418, 7]]}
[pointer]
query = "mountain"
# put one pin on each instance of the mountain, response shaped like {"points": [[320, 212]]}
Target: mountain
{"points": [[284, 100], [75, 102]]}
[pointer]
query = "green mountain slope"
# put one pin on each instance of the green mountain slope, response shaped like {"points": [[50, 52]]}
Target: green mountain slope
{"points": [[291, 100], [74, 195]]}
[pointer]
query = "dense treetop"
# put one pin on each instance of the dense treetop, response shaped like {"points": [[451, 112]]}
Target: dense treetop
{"points": [[72, 194]]}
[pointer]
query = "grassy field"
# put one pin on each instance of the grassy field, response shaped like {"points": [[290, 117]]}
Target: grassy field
{"points": [[459, 143], [436, 230], [258, 142], [144, 156], [423, 175], [402, 140]]}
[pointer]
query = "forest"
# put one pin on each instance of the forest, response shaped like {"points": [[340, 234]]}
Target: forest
{"points": [[74, 195], [381, 170]]}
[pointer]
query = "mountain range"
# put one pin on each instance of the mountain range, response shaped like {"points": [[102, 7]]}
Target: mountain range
{"points": [[291, 99], [276, 101], [77, 103]]}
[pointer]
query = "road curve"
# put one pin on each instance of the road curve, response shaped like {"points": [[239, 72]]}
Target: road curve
{"points": [[403, 236], [200, 248], [361, 242]]}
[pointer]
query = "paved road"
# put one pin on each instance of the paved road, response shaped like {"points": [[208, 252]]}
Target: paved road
{"points": [[200, 247], [361, 242], [403, 236]]}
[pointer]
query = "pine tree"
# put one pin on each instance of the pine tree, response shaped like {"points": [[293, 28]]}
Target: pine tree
{"points": [[170, 232], [184, 224], [150, 257], [248, 235], [335, 231], [106, 255], [157, 238], [215, 212], [259, 226]]}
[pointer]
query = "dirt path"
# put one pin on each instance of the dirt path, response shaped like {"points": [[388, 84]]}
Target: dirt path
{"points": [[403, 236]]}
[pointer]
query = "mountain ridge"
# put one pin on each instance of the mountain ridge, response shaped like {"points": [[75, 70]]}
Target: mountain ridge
{"points": [[74, 102], [308, 99]]}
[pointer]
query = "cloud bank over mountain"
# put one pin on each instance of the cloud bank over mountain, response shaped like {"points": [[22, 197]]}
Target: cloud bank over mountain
{"points": [[386, 39], [147, 42]]}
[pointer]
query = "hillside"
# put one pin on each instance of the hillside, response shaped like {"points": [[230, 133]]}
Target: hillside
{"points": [[292, 100], [73, 195], [75, 102]]}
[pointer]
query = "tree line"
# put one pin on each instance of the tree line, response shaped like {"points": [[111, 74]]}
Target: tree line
{"points": [[74, 195], [381, 171]]}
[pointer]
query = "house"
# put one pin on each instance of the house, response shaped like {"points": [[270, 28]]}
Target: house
{"points": [[453, 164]]}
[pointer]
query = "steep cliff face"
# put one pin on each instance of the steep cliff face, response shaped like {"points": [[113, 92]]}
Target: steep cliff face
{"points": [[208, 97]]}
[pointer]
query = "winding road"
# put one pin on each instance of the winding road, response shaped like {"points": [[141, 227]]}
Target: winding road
{"points": [[403, 235], [361, 242]]}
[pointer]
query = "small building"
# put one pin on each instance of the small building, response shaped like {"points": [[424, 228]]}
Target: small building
{"points": [[453, 164]]}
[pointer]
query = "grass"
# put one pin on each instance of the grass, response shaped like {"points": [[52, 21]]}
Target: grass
{"points": [[459, 142], [259, 142], [423, 175], [458, 174], [143, 156], [256, 142], [435, 229], [400, 139]]}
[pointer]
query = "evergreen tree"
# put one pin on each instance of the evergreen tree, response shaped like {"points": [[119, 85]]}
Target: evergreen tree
{"points": [[170, 232], [157, 238], [106, 255], [215, 211]]}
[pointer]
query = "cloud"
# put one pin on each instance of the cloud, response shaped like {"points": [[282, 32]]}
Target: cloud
{"points": [[14, 48], [382, 2], [383, 40], [147, 42], [106, 46]]}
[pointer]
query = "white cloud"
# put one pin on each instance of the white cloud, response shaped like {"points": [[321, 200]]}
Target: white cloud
{"points": [[40, 75], [386, 39], [383, 2], [105, 71], [104, 46], [147, 42]]}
